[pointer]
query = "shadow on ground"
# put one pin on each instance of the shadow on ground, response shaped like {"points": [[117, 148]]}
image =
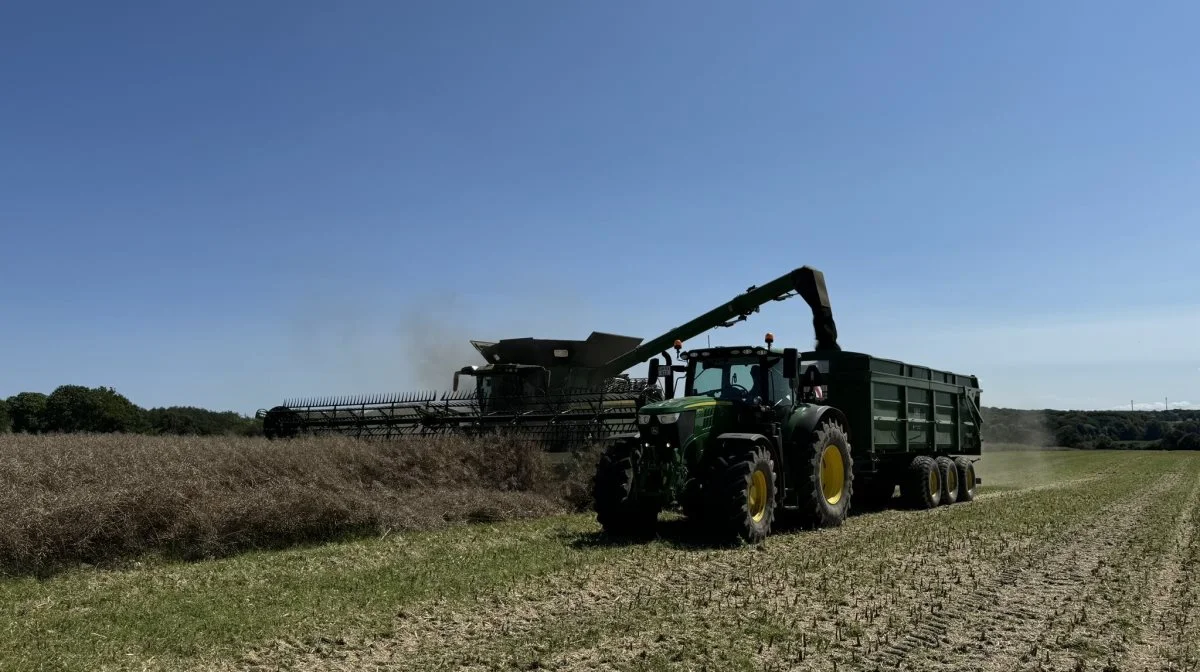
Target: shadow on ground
{"points": [[676, 531]]}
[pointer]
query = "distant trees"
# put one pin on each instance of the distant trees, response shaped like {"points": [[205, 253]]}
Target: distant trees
{"points": [[75, 408], [191, 420], [1167, 430], [26, 412]]}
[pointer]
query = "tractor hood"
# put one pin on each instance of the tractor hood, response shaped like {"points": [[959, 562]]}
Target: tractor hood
{"points": [[681, 404]]}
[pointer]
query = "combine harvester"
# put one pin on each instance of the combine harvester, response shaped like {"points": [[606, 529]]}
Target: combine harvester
{"points": [[562, 394]]}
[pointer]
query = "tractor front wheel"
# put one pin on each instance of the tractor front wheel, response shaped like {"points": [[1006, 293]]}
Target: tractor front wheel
{"points": [[830, 482], [743, 498], [618, 509]]}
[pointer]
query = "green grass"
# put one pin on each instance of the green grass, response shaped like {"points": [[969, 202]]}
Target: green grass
{"points": [[174, 612], [544, 591]]}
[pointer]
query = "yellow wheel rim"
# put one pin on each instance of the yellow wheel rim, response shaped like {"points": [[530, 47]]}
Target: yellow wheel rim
{"points": [[952, 479], [756, 496], [933, 482], [833, 474]]}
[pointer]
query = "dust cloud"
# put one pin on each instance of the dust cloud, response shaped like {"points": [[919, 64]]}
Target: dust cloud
{"points": [[1033, 440], [335, 348], [434, 338]]}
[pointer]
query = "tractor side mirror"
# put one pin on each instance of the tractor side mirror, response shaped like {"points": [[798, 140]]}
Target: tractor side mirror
{"points": [[456, 381], [653, 375], [791, 362]]}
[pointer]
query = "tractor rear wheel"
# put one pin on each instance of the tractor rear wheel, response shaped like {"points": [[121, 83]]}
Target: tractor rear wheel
{"points": [[966, 479], [743, 493], [948, 471], [828, 485], [618, 509], [922, 486]]}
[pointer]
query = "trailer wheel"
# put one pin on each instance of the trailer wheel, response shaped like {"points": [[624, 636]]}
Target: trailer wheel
{"points": [[966, 479], [922, 485], [948, 471], [830, 477], [618, 509], [744, 493]]}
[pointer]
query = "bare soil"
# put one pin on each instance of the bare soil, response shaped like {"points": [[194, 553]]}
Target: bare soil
{"points": [[1082, 563]]}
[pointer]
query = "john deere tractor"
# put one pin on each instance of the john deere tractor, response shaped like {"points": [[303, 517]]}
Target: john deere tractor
{"points": [[760, 431]]}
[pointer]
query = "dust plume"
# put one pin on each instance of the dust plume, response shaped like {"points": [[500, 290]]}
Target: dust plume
{"points": [[435, 333], [1025, 432], [337, 346]]}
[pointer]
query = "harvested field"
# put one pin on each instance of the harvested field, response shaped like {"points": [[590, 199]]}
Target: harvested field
{"points": [[1066, 561]]}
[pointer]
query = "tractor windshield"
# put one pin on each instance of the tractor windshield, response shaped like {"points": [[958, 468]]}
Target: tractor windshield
{"points": [[741, 379]]}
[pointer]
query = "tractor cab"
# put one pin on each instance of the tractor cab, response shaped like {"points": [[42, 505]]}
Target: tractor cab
{"points": [[759, 376]]}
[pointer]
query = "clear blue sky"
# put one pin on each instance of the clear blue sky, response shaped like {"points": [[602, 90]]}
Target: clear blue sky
{"points": [[223, 204]]}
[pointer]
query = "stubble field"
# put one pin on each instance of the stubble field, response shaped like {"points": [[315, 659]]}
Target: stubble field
{"points": [[1065, 561]]}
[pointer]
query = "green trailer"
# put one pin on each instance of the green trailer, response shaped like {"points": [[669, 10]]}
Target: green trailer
{"points": [[760, 431], [897, 412]]}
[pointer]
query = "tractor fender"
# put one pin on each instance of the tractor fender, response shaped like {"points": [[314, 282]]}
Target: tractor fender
{"points": [[744, 436], [806, 421], [759, 439]]}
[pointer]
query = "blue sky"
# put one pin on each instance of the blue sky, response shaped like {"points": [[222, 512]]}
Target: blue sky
{"points": [[225, 204]]}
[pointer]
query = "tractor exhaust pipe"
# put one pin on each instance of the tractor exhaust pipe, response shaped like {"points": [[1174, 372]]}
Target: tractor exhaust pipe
{"points": [[810, 283]]}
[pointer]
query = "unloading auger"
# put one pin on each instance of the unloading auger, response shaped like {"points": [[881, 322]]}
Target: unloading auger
{"points": [[560, 393]]}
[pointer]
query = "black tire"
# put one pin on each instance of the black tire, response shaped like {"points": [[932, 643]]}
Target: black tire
{"points": [[966, 479], [617, 507], [922, 485], [743, 493], [948, 471], [828, 487]]}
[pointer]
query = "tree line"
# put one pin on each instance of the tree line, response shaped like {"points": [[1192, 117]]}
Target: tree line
{"points": [[1176, 429], [76, 408]]}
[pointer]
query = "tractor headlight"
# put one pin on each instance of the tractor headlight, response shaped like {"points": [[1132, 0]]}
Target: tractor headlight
{"points": [[668, 418], [643, 419]]}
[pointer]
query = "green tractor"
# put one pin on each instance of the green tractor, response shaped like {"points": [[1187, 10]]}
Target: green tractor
{"points": [[760, 432]]}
